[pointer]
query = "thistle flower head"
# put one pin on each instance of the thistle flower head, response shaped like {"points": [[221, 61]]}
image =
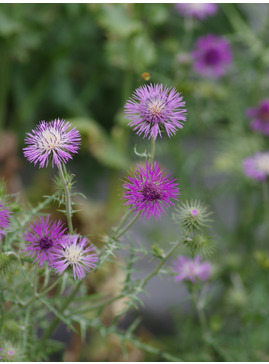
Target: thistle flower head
{"points": [[51, 141], [257, 166], [76, 253], [192, 216], [155, 108], [260, 117], [191, 269], [149, 191], [201, 244], [43, 239], [197, 10], [212, 56], [11, 352], [4, 219]]}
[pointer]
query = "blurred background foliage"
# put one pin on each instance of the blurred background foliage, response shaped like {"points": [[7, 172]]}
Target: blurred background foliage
{"points": [[80, 62]]}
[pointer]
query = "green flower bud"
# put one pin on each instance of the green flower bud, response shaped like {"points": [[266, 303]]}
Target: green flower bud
{"points": [[192, 216], [201, 245]]}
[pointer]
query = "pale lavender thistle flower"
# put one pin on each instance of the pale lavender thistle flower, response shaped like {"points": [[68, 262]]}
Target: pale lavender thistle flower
{"points": [[149, 192], [212, 55], [257, 166], [51, 141], [43, 239], [154, 108], [196, 10], [4, 219], [76, 254], [260, 117], [191, 269]]}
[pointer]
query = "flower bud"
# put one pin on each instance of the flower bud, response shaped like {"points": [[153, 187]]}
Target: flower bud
{"points": [[201, 244], [192, 216]]}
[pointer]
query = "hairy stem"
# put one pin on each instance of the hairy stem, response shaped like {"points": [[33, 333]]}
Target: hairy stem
{"points": [[68, 201]]}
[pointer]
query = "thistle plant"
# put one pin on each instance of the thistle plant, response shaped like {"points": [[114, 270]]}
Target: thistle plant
{"points": [[53, 261]]}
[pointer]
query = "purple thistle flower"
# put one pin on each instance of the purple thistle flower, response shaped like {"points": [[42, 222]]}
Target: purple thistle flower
{"points": [[257, 166], [155, 108], [197, 10], [212, 55], [51, 141], [260, 117], [191, 269], [43, 239], [4, 219], [149, 192], [75, 253]]}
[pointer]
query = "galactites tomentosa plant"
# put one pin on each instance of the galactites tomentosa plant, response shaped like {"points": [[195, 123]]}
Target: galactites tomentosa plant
{"points": [[53, 260]]}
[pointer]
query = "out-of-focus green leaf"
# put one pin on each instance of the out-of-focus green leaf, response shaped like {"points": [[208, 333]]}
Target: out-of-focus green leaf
{"points": [[99, 144]]}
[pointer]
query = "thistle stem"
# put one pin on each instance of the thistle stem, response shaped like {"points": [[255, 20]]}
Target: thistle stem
{"points": [[152, 152], [159, 266], [68, 201], [127, 227]]}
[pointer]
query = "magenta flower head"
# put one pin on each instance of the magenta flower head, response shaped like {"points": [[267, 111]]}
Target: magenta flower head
{"points": [[4, 219], [76, 254], [149, 192], [51, 141], [212, 56], [189, 269], [257, 166], [43, 239], [197, 10], [260, 117], [155, 108]]}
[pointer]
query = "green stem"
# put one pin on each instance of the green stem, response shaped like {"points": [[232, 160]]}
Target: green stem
{"points": [[127, 227], [159, 266], [152, 152], [200, 312], [56, 320], [68, 202], [122, 222]]}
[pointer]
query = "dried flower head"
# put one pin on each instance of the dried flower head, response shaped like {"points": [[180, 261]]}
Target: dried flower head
{"points": [[192, 216], [4, 219], [76, 254], [191, 269], [51, 142], [43, 239], [154, 108], [149, 192], [197, 10], [260, 117], [257, 166], [212, 56]]}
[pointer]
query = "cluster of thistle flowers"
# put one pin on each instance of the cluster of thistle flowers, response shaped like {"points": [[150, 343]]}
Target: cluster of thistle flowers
{"points": [[46, 239], [257, 165], [212, 55], [153, 110]]}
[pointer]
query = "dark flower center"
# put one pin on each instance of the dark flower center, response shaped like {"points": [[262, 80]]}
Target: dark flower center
{"points": [[212, 57], [45, 243], [264, 113], [151, 192]]}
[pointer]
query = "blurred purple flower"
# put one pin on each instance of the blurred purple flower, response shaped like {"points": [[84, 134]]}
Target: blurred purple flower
{"points": [[257, 166], [75, 253], [51, 141], [43, 238], [191, 269], [197, 10], [149, 192], [260, 117], [212, 55], [154, 108], [4, 219]]}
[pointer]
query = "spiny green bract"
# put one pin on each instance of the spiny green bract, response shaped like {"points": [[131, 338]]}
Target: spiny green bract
{"points": [[192, 216]]}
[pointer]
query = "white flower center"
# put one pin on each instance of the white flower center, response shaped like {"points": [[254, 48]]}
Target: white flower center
{"points": [[50, 139], [73, 254], [263, 163], [197, 6], [156, 106]]}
